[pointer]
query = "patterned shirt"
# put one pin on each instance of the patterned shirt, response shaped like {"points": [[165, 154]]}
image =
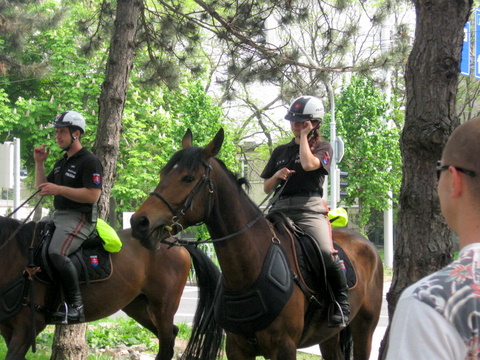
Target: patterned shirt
{"points": [[439, 316]]}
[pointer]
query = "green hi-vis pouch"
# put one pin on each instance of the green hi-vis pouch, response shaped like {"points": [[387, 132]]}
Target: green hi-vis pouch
{"points": [[338, 217], [111, 241]]}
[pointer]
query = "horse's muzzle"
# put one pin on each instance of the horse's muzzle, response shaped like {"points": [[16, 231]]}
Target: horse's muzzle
{"points": [[148, 235], [140, 227]]}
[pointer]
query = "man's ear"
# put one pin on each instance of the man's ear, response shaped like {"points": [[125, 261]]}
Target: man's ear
{"points": [[78, 134], [457, 182]]}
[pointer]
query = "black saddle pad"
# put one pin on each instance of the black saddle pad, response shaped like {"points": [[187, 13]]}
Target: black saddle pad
{"points": [[92, 261]]}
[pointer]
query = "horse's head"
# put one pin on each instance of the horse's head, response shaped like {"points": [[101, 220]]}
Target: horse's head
{"points": [[182, 197]]}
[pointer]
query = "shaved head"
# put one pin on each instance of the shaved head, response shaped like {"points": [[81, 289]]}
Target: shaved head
{"points": [[463, 146], [463, 150]]}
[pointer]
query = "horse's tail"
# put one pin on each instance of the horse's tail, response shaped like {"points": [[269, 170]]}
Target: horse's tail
{"points": [[346, 343], [206, 339]]}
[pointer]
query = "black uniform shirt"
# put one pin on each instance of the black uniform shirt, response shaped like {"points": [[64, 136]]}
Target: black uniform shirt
{"points": [[288, 155], [82, 170]]}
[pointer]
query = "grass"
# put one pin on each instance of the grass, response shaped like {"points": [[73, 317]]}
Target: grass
{"points": [[101, 334], [108, 333]]}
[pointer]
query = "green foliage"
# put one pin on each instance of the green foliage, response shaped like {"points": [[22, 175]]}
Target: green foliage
{"points": [[154, 124], [372, 153], [121, 331], [71, 84], [101, 334], [155, 117]]}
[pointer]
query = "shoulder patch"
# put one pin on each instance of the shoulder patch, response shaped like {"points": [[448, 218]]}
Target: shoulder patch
{"points": [[97, 179]]}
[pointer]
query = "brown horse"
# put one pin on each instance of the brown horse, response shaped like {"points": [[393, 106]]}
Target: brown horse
{"points": [[146, 285], [195, 187]]}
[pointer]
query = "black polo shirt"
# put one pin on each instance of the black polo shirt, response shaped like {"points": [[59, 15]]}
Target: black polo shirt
{"points": [[82, 170], [288, 155]]}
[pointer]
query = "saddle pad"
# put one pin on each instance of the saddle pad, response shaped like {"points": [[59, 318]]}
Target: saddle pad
{"points": [[92, 261], [11, 295], [249, 310], [349, 269]]}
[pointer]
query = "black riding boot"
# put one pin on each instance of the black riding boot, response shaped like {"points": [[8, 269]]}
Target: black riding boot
{"points": [[73, 313], [341, 308]]}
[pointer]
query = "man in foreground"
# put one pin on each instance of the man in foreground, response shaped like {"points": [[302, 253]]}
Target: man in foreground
{"points": [[439, 316]]}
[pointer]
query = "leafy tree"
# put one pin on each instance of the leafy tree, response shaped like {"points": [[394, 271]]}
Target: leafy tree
{"points": [[20, 19], [152, 133], [113, 95], [424, 242], [372, 152], [296, 47]]}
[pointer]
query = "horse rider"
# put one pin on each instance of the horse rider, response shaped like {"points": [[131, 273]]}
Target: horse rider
{"points": [[299, 168], [76, 184]]}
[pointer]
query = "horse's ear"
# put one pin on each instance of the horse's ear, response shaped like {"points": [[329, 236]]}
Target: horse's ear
{"points": [[187, 139], [214, 146]]}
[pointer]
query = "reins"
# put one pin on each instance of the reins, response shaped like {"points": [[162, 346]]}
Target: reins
{"points": [[180, 242], [18, 208], [189, 201], [24, 221]]}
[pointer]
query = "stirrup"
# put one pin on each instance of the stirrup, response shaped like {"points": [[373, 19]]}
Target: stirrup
{"points": [[341, 320], [59, 318]]}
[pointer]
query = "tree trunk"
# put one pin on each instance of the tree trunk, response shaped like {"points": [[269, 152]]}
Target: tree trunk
{"points": [[113, 95], [424, 244], [111, 104], [69, 342]]}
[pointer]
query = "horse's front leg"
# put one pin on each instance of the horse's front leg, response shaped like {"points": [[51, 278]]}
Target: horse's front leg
{"points": [[331, 350], [271, 347], [238, 348], [20, 338]]}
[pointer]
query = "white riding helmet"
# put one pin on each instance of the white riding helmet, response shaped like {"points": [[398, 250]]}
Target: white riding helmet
{"points": [[70, 118], [305, 108]]}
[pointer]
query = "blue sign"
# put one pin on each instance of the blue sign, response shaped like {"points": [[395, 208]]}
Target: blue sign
{"points": [[477, 43], [465, 62]]}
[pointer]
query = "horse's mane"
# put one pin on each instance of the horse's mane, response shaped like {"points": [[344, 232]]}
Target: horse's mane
{"points": [[234, 176], [239, 182], [8, 227]]}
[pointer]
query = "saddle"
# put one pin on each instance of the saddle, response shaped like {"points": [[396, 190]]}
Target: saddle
{"points": [[249, 310], [92, 261], [309, 257]]}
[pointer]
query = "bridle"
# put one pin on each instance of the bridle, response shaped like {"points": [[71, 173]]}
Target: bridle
{"points": [[179, 212], [188, 203]]}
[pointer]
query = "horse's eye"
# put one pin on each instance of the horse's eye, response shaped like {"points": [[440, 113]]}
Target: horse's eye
{"points": [[188, 178]]}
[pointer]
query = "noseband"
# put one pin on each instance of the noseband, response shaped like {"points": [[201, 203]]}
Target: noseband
{"points": [[190, 199]]}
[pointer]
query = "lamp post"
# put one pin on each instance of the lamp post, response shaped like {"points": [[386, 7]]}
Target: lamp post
{"points": [[388, 213]]}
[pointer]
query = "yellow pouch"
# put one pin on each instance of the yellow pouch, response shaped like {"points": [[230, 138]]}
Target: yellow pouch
{"points": [[338, 217], [111, 241]]}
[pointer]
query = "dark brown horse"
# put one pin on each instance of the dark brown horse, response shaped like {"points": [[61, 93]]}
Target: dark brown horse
{"points": [[196, 187], [146, 285]]}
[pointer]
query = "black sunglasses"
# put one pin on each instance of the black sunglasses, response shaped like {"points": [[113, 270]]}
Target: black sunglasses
{"points": [[440, 168]]}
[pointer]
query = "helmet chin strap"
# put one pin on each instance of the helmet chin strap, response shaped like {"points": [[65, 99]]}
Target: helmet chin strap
{"points": [[74, 138]]}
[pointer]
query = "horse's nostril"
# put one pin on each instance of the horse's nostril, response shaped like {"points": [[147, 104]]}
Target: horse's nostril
{"points": [[141, 223]]}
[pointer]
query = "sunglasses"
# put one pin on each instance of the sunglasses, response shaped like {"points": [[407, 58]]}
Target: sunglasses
{"points": [[440, 168]]}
